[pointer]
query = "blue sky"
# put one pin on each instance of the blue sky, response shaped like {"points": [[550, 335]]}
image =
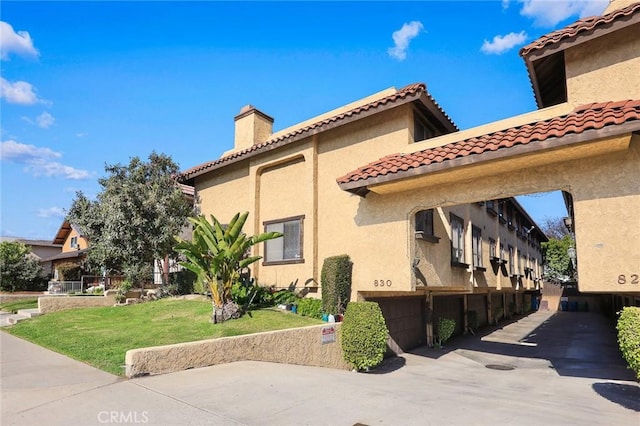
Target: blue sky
{"points": [[86, 84]]}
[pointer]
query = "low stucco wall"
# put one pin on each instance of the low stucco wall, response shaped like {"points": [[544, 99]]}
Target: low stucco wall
{"points": [[50, 304], [301, 346]]}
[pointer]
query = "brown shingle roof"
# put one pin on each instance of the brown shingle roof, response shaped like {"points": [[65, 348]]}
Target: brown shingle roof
{"points": [[407, 93], [580, 26], [581, 119]]}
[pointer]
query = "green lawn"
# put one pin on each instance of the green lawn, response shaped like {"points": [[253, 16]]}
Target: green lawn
{"points": [[19, 304], [101, 336]]}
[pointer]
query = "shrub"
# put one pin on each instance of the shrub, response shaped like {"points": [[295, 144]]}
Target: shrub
{"points": [[69, 271], [248, 295], [629, 337], [284, 297], [446, 327], [364, 335], [123, 289], [183, 280], [335, 279], [310, 308]]}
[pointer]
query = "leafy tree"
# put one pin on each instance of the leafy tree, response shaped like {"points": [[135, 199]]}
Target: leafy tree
{"points": [[17, 267], [134, 218], [217, 254], [557, 264]]}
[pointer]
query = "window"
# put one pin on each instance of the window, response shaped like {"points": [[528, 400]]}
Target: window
{"points": [[477, 247], [502, 253], [521, 265], [492, 249], [424, 226], [287, 249], [491, 207], [457, 241], [512, 266], [501, 213], [511, 222], [74, 242]]}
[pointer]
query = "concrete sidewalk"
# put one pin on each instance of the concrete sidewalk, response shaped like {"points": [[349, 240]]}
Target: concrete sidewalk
{"points": [[567, 372]]}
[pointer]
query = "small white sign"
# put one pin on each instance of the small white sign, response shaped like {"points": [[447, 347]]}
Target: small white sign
{"points": [[328, 334]]}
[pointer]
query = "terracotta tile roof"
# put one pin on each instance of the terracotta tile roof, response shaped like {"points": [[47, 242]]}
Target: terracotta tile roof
{"points": [[410, 92], [580, 26], [581, 119]]}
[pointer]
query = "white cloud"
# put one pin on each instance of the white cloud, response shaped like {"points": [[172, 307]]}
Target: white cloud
{"points": [[548, 13], [22, 153], [81, 134], [505, 4], [19, 92], [52, 212], [39, 161], [401, 39], [45, 120], [19, 43], [501, 44]]}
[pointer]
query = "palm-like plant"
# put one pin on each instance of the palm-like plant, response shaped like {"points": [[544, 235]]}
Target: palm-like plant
{"points": [[217, 254]]}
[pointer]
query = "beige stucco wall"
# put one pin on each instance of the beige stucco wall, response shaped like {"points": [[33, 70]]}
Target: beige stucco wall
{"points": [[340, 230], [301, 346], [613, 74], [59, 303], [606, 193], [435, 258]]}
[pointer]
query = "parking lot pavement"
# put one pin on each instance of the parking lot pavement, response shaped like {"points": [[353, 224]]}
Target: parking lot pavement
{"points": [[555, 378]]}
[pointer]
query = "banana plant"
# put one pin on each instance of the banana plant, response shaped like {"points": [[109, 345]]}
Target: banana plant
{"points": [[217, 253]]}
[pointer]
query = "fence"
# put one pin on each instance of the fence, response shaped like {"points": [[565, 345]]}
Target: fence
{"points": [[64, 287]]}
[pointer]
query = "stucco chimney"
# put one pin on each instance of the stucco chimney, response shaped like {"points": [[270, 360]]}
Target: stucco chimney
{"points": [[252, 127]]}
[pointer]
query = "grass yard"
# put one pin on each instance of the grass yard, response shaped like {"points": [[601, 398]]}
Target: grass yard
{"points": [[101, 336], [13, 307]]}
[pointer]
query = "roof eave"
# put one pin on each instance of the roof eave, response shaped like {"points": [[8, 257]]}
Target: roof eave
{"points": [[362, 186]]}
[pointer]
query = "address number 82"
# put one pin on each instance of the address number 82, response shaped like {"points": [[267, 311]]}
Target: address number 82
{"points": [[632, 279]]}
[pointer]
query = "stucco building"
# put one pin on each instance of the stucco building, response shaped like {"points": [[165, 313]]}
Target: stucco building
{"points": [[392, 182]]}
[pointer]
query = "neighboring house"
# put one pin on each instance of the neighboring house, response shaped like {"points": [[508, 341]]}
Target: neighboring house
{"points": [[41, 250], [74, 246], [426, 211]]}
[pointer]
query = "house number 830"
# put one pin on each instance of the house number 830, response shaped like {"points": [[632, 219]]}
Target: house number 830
{"points": [[382, 283]]}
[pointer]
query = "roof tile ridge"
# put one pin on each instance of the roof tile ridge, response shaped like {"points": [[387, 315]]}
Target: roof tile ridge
{"points": [[583, 24]]}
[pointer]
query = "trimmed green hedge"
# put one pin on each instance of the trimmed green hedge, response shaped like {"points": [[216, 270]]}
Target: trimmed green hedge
{"points": [[310, 308], [629, 337], [363, 335], [335, 279]]}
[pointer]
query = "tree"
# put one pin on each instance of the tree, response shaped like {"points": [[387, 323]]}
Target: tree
{"points": [[17, 267], [557, 264], [554, 227], [134, 218], [217, 254]]}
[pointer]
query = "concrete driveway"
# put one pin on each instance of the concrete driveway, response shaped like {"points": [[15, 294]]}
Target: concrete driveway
{"points": [[552, 369]]}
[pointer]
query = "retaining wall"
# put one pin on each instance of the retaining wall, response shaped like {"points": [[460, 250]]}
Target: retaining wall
{"points": [[48, 304], [301, 346]]}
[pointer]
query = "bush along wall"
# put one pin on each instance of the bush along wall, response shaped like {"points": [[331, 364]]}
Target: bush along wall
{"points": [[629, 337], [363, 335], [335, 279], [310, 308]]}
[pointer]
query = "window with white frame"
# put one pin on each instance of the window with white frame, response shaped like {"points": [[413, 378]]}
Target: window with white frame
{"points": [[287, 249], [457, 240], [74, 242], [477, 247]]}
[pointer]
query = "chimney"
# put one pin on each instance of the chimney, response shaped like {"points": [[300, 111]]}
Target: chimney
{"points": [[252, 127]]}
